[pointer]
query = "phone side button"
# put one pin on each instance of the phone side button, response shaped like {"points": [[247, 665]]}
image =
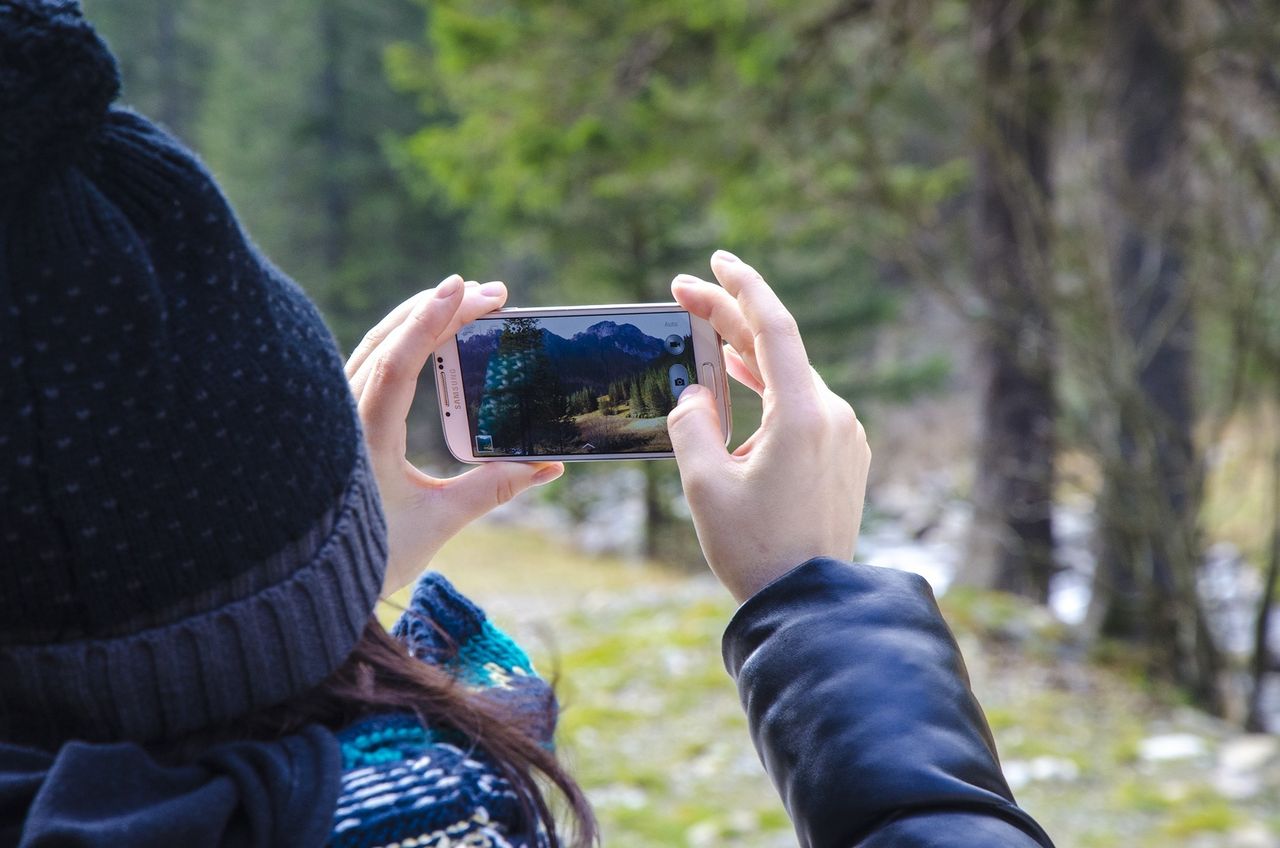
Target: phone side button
{"points": [[442, 386], [709, 378]]}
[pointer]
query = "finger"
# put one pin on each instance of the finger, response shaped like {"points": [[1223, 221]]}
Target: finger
{"points": [[388, 380], [713, 304], [476, 300], [355, 368], [779, 351], [436, 308], [493, 484], [741, 372], [374, 337], [696, 437]]}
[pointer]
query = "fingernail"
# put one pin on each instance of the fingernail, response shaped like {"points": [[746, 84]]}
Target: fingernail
{"points": [[691, 390], [687, 280], [724, 256], [493, 289], [449, 287], [546, 475]]}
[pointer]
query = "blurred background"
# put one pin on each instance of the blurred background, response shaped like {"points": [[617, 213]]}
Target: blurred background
{"points": [[1036, 243]]}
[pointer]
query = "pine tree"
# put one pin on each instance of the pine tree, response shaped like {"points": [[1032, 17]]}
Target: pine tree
{"points": [[296, 114], [634, 401], [521, 388], [163, 50], [609, 169]]}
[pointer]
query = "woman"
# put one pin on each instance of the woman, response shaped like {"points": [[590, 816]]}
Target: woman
{"points": [[196, 521]]}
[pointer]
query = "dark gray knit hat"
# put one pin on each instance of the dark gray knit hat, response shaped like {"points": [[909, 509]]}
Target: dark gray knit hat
{"points": [[189, 529]]}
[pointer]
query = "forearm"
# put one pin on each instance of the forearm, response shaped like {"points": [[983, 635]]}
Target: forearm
{"points": [[859, 705]]}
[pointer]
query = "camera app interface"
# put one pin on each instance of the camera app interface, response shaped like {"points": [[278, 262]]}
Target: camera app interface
{"points": [[577, 384]]}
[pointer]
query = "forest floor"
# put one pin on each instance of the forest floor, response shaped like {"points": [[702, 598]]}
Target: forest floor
{"points": [[653, 730], [617, 432]]}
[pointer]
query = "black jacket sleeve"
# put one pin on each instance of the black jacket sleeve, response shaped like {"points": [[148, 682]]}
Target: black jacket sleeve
{"points": [[859, 705]]}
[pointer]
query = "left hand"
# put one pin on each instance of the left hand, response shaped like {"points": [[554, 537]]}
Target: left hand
{"points": [[424, 512]]}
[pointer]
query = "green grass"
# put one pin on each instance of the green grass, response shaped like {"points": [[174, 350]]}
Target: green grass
{"points": [[653, 730]]}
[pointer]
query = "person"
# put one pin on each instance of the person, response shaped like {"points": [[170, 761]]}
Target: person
{"points": [[199, 507]]}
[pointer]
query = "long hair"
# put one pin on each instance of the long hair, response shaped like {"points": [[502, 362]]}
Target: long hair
{"points": [[380, 676]]}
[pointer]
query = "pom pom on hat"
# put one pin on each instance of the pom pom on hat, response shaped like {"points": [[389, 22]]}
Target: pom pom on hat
{"points": [[57, 81]]}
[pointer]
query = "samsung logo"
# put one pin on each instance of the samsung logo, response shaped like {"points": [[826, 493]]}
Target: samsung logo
{"points": [[455, 389]]}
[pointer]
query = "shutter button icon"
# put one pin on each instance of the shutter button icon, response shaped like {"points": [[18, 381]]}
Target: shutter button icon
{"points": [[677, 378]]}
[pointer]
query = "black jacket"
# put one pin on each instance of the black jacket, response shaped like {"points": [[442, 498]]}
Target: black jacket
{"points": [[859, 705]]}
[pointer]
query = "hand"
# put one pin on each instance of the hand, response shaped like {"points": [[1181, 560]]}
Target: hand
{"points": [[795, 488], [424, 512]]}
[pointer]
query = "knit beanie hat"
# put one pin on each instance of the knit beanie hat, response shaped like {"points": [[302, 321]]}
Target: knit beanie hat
{"points": [[189, 528]]}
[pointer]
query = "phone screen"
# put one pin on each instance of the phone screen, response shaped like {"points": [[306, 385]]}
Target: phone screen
{"points": [[574, 384]]}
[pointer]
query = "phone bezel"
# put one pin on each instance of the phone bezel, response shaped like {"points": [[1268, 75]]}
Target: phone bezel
{"points": [[451, 403]]}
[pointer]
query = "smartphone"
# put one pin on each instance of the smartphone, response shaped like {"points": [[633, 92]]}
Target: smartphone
{"points": [[574, 382]]}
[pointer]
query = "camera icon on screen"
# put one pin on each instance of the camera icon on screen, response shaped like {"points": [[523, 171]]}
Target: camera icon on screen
{"points": [[677, 379], [675, 344]]}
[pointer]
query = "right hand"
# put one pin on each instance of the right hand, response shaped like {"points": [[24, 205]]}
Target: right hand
{"points": [[794, 489], [423, 512]]}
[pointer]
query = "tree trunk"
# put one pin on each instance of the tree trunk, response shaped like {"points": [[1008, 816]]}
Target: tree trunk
{"points": [[665, 536], [1149, 523], [1011, 543], [171, 104], [336, 203], [1255, 721]]}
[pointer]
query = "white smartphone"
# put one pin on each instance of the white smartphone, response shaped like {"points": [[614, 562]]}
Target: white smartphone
{"points": [[574, 382]]}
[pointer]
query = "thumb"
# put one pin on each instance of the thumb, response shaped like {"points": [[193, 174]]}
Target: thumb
{"points": [[696, 437], [494, 483]]}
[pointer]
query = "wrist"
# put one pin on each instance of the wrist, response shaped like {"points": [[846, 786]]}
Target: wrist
{"points": [[747, 585]]}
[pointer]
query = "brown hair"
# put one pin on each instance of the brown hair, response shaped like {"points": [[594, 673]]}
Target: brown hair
{"points": [[380, 677]]}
